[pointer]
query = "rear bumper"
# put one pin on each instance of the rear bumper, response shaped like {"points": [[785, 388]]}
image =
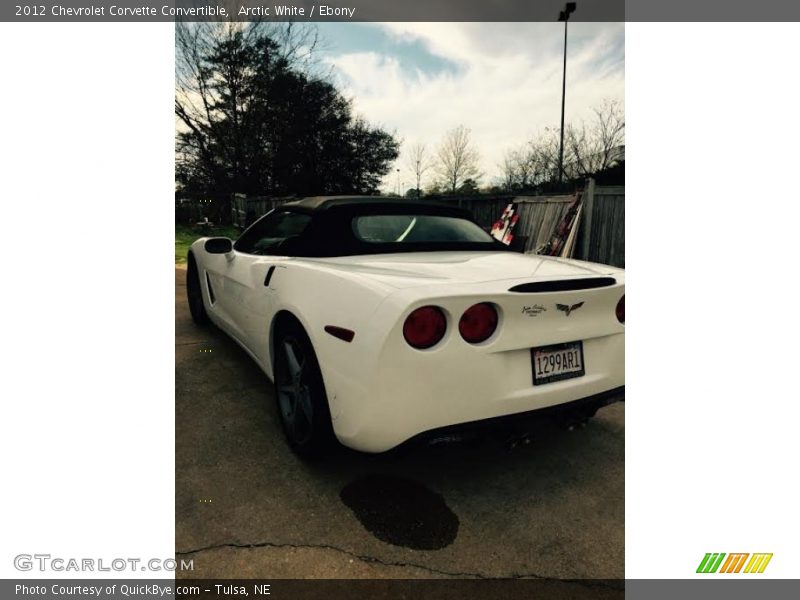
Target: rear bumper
{"points": [[407, 393], [562, 414]]}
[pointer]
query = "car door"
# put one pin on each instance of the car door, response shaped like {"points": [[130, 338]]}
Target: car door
{"points": [[248, 299]]}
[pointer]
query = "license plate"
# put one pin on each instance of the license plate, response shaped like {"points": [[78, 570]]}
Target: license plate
{"points": [[557, 362]]}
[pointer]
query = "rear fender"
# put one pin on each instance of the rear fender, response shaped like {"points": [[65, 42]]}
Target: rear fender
{"points": [[317, 298]]}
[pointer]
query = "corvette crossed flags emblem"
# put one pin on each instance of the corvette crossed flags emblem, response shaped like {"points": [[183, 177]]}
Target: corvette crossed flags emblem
{"points": [[568, 309]]}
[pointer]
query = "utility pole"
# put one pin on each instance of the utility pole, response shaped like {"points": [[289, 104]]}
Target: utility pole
{"points": [[569, 8]]}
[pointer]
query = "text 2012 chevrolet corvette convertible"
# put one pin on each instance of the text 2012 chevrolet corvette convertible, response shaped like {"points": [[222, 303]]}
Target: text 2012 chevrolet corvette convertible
{"points": [[379, 320]]}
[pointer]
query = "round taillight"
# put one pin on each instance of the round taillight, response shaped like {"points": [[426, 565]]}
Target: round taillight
{"points": [[424, 327], [478, 323], [621, 310]]}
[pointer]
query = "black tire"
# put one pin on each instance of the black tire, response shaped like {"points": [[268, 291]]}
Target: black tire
{"points": [[194, 293], [300, 394]]}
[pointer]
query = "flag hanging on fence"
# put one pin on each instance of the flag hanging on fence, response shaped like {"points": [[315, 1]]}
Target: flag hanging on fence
{"points": [[503, 229]]}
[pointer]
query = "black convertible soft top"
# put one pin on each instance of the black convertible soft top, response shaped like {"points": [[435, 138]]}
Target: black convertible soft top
{"points": [[330, 231]]}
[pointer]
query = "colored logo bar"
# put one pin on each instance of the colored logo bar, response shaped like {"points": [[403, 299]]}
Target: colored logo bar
{"points": [[714, 562]]}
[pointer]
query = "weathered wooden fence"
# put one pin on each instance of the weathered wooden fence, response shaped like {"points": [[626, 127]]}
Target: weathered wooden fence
{"points": [[538, 215], [601, 237], [485, 209], [601, 233]]}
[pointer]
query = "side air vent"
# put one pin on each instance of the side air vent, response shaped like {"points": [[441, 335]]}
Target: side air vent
{"points": [[210, 289], [563, 285], [270, 272]]}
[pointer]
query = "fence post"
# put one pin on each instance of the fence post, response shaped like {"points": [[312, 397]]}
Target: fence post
{"points": [[586, 226]]}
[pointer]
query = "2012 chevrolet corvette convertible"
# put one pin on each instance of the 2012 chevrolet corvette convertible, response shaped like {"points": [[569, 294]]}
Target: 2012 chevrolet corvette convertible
{"points": [[381, 320]]}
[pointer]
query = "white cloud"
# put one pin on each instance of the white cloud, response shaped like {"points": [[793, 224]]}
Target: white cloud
{"points": [[506, 87]]}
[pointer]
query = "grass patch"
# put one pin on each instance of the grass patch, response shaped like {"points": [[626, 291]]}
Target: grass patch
{"points": [[184, 236]]}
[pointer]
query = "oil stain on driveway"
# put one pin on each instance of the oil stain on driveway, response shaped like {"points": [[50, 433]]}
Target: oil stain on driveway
{"points": [[401, 512], [245, 506]]}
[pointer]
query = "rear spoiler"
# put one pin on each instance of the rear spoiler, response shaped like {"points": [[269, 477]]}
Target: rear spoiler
{"points": [[563, 285]]}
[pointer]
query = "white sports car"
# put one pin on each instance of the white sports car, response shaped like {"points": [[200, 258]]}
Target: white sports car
{"points": [[380, 320]]}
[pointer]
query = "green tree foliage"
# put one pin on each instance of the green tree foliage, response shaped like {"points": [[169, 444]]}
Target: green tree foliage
{"points": [[253, 118]]}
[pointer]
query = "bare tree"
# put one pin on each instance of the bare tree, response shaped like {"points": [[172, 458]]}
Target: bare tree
{"points": [[546, 148], [610, 131], [588, 148], [517, 166], [597, 146], [526, 166], [419, 163], [580, 153], [509, 168], [457, 159]]}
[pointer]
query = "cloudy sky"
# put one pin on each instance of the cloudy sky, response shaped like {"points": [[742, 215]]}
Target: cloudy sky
{"points": [[502, 80]]}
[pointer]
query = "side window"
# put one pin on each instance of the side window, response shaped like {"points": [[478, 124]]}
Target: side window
{"points": [[264, 237]]}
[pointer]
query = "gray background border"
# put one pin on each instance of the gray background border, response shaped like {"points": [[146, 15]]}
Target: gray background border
{"points": [[441, 10], [729, 588]]}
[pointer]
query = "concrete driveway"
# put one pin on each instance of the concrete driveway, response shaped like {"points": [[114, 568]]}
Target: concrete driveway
{"points": [[245, 506]]}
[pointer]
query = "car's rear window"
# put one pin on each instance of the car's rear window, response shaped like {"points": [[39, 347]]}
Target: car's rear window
{"points": [[382, 229]]}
